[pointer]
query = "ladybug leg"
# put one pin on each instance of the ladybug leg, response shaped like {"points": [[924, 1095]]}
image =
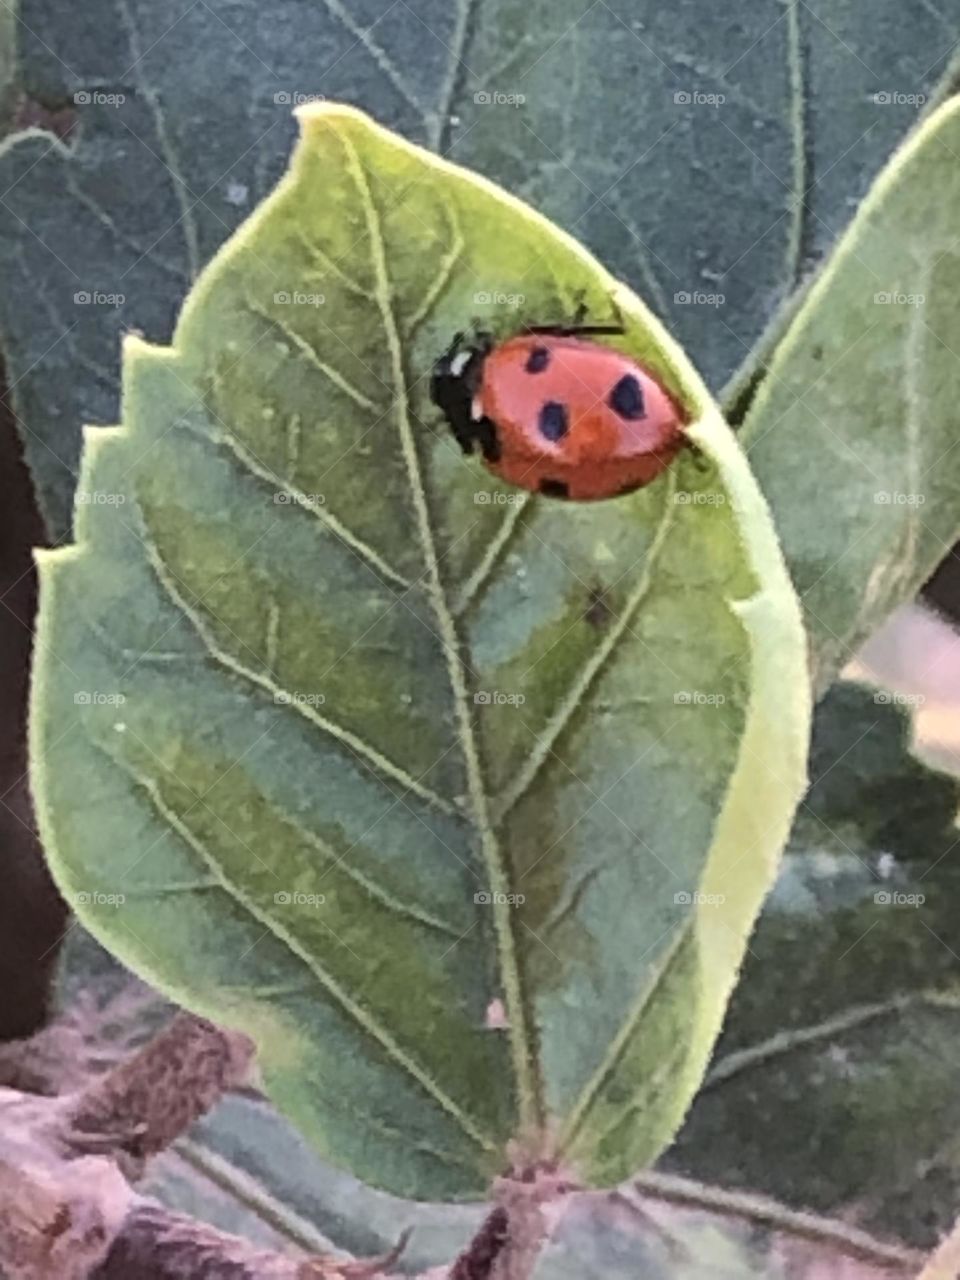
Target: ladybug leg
{"points": [[577, 328], [486, 436], [580, 315]]}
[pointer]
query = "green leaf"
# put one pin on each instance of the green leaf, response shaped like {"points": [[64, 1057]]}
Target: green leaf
{"points": [[708, 1236], [148, 189], [8, 62], [852, 435], [369, 705], [833, 1084]]}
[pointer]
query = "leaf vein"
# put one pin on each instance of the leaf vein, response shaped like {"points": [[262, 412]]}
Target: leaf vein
{"points": [[441, 280], [307, 350], [296, 496], [580, 687], [362, 1017], [621, 1041], [375, 760], [494, 552]]}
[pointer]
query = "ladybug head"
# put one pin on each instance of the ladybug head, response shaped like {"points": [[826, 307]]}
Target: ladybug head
{"points": [[453, 387]]}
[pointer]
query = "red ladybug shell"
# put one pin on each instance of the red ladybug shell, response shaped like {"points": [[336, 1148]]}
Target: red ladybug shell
{"points": [[575, 419]]}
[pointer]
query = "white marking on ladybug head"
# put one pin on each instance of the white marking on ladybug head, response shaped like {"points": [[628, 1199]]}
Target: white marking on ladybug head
{"points": [[460, 362], [476, 409]]}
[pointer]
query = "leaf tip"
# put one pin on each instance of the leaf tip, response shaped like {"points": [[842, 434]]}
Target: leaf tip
{"points": [[313, 116]]}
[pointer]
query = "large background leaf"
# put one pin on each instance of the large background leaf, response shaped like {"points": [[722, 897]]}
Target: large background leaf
{"points": [[276, 558], [833, 1086], [853, 434], [735, 199], [628, 1235]]}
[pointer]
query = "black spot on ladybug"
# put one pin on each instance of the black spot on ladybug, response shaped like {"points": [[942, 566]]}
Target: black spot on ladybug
{"points": [[554, 489], [553, 421], [488, 439], [537, 360], [598, 613], [626, 398]]}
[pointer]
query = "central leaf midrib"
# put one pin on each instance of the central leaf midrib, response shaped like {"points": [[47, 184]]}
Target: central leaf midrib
{"points": [[524, 1053]]}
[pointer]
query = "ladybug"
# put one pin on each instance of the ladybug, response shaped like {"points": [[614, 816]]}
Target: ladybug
{"points": [[557, 413]]}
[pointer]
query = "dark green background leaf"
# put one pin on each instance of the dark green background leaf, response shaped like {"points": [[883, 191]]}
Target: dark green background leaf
{"points": [[834, 1083], [676, 198], [634, 1236]]}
